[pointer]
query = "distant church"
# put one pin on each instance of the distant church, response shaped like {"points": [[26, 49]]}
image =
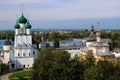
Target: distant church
{"points": [[24, 51]]}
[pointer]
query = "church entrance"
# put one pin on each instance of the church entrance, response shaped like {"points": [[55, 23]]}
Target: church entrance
{"points": [[12, 66], [23, 66]]}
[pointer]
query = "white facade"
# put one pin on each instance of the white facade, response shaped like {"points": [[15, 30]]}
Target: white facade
{"points": [[7, 47], [5, 52], [88, 43], [5, 56], [24, 51], [16, 31], [28, 31]]}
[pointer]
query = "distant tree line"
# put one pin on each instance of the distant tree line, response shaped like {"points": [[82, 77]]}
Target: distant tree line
{"points": [[55, 36], [10, 35]]}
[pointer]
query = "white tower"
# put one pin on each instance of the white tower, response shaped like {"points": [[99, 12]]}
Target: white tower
{"points": [[92, 38], [7, 44], [98, 36], [98, 33], [28, 27], [5, 53], [17, 27], [24, 52]]}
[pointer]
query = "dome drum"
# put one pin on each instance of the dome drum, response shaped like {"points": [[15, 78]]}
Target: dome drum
{"points": [[98, 34]]}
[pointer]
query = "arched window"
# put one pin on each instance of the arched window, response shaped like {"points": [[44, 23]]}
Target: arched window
{"points": [[29, 54], [18, 54], [28, 65], [23, 54], [23, 66], [33, 53]]}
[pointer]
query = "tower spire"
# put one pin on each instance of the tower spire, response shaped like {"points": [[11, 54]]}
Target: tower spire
{"points": [[6, 36], [16, 18], [22, 6]]}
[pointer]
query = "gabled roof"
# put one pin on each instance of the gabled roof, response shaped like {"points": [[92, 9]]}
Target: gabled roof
{"points": [[92, 36]]}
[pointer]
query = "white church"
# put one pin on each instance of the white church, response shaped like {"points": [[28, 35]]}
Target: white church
{"points": [[24, 51]]}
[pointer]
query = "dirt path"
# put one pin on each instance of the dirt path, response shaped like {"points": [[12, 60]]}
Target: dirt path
{"points": [[5, 76]]}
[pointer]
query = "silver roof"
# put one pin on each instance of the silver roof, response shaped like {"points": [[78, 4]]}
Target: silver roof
{"points": [[104, 52]]}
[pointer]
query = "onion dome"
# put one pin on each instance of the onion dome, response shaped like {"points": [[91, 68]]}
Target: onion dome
{"points": [[22, 19], [92, 28], [16, 26], [7, 42], [28, 26]]}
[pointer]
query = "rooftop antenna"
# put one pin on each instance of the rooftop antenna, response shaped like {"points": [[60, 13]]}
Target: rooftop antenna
{"points": [[99, 29], [6, 36]]}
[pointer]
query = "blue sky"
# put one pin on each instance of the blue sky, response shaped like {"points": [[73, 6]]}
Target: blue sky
{"points": [[55, 10]]}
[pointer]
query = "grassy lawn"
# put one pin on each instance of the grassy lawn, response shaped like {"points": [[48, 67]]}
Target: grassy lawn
{"points": [[22, 75]]}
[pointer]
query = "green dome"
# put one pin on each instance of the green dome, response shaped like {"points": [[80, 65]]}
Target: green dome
{"points": [[28, 26], [22, 19], [16, 26]]}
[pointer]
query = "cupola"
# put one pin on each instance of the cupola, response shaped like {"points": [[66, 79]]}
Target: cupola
{"points": [[7, 42], [22, 19], [16, 26], [28, 26]]}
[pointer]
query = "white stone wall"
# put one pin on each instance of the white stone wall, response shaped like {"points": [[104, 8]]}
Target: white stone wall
{"points": [[22, 28], [5, 56], [20, 39], [6, 47], [28, 31], [73, 53], [117, 55], [29, 39], [88, 43], [16, 31], [24, 62]]}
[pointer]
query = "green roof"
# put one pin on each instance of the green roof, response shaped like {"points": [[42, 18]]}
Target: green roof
{"points": [[16, 26], [28, 26], [22, 19]]}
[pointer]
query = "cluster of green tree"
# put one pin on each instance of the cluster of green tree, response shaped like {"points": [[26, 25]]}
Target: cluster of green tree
{"points": [[78, 34], [114, 36], [4, 68], [57, 65], [10, 34], [55, 36], [71, 34]]}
